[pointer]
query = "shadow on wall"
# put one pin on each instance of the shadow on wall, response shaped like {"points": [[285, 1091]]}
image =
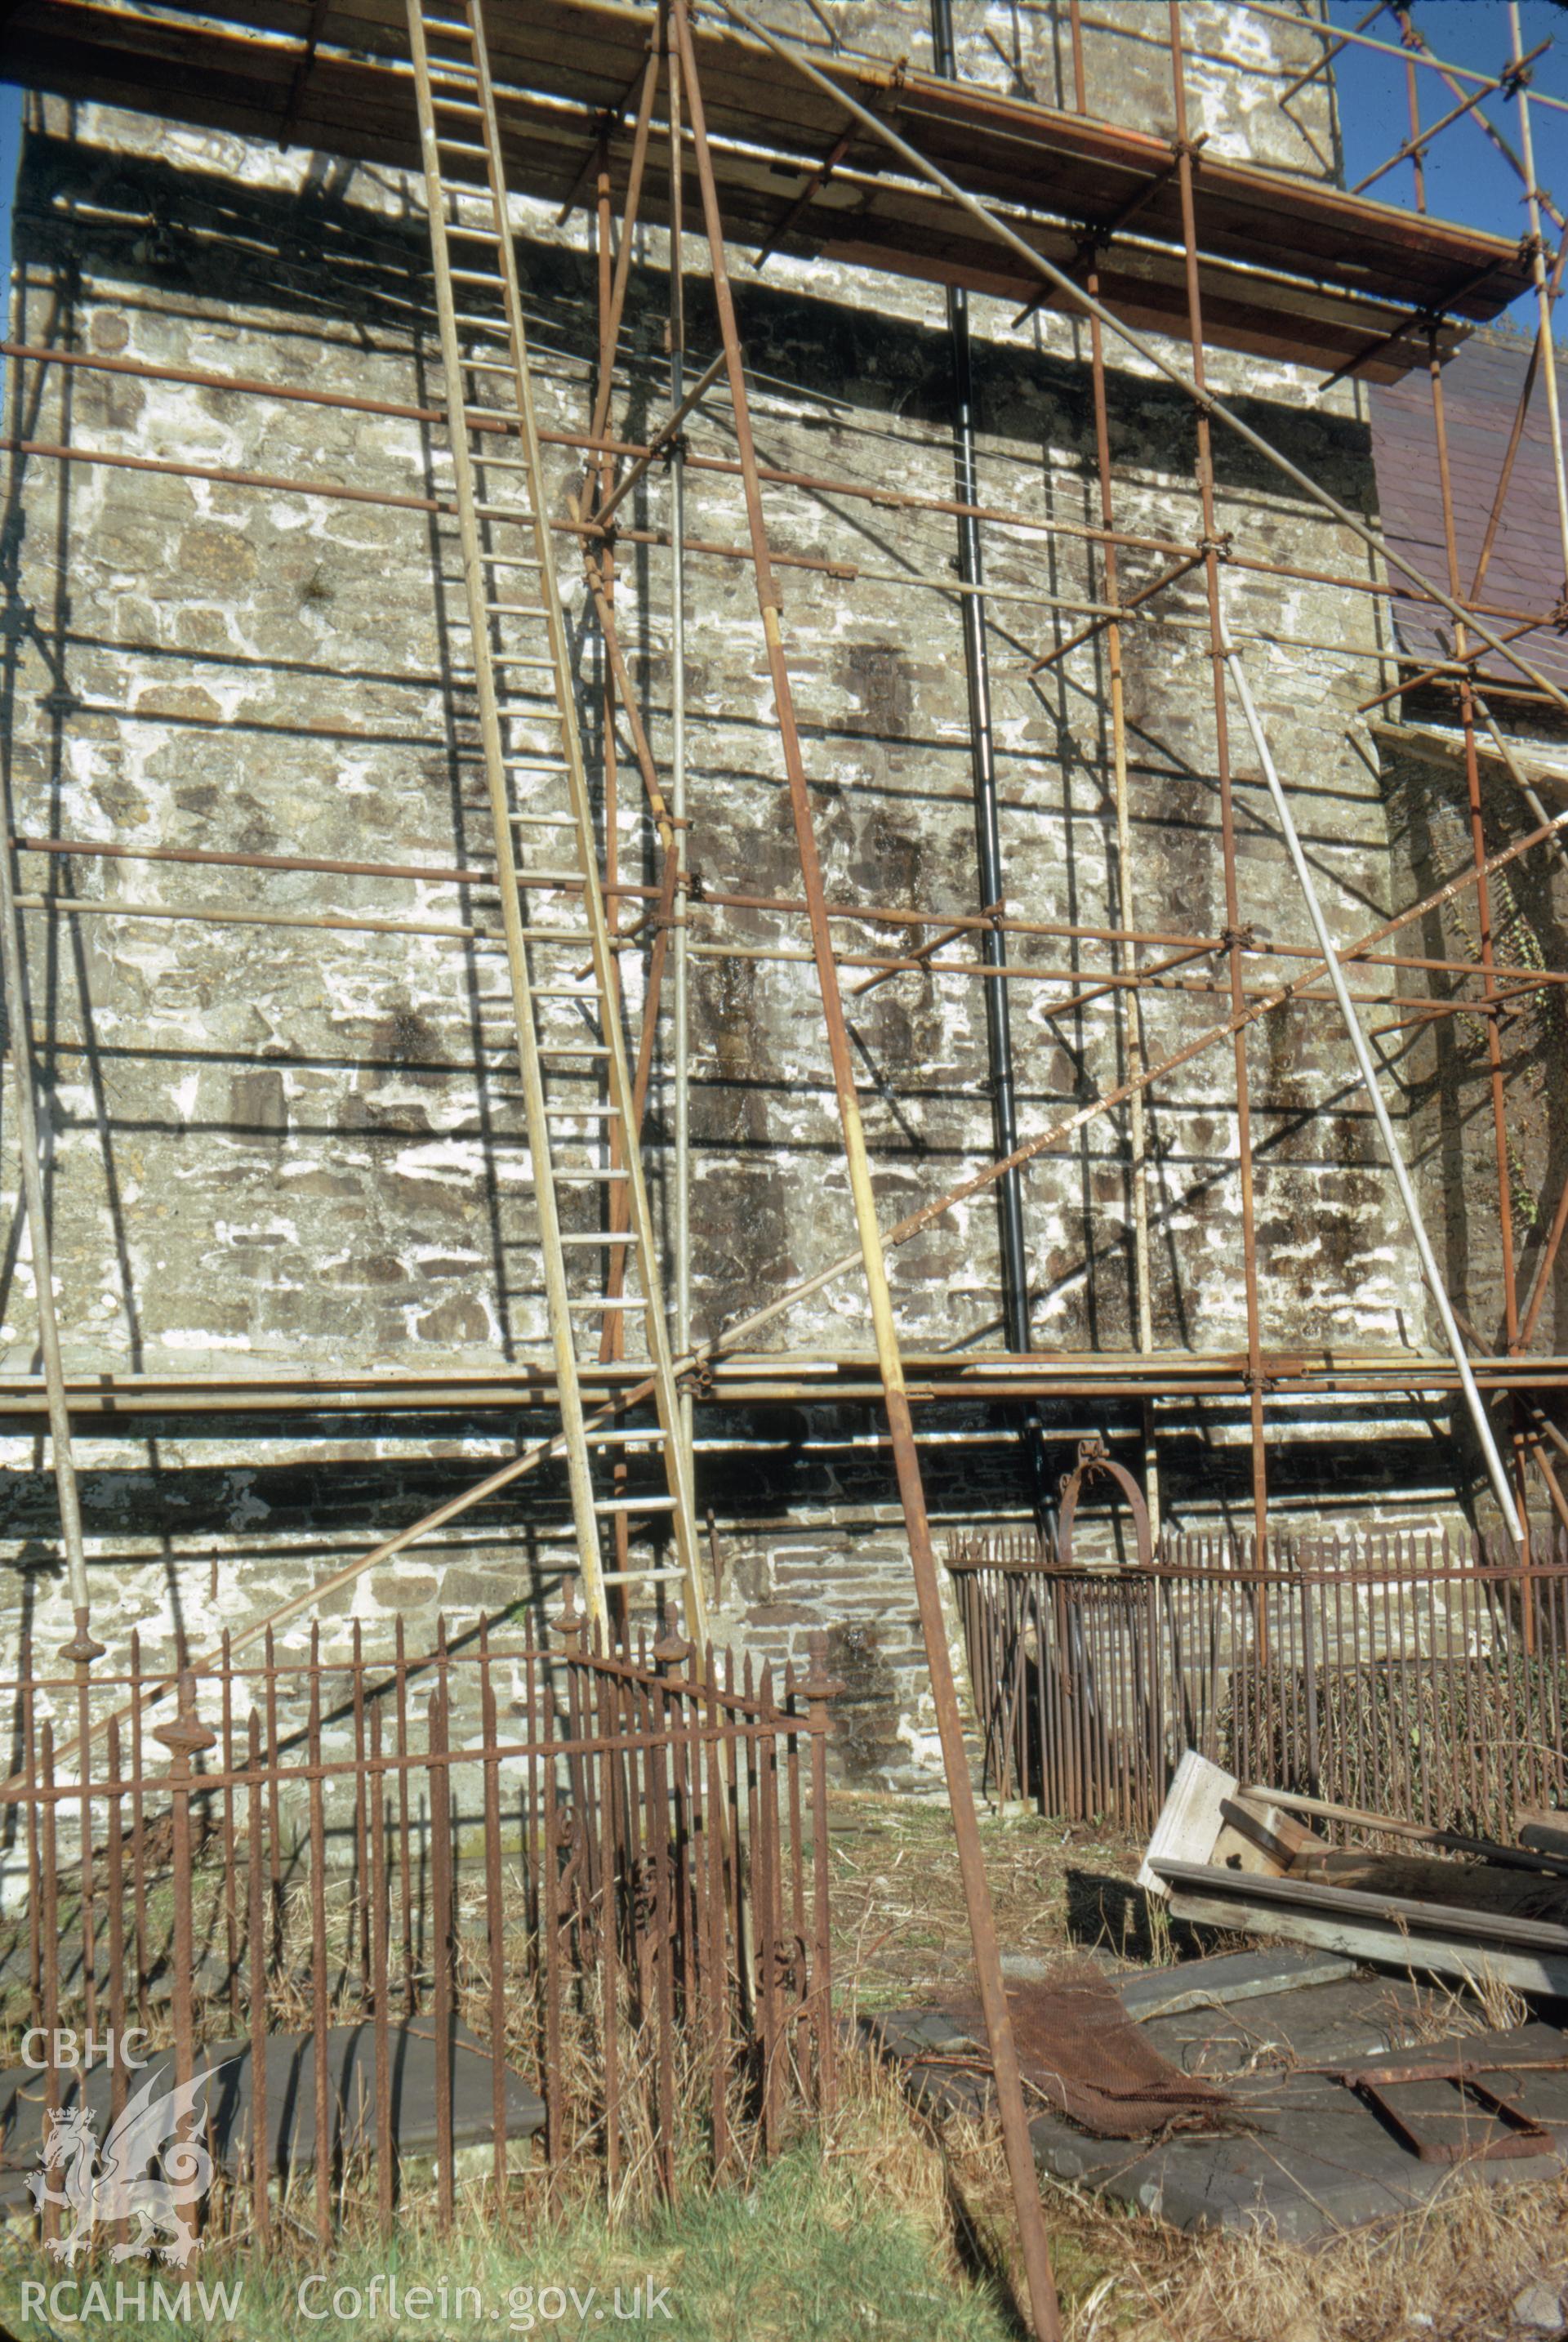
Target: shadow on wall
{"points": [[1446, 1069], [320, 256]]}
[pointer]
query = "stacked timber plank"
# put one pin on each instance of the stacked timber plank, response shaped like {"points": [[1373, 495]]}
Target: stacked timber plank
{"points": [[1227, 1855]]}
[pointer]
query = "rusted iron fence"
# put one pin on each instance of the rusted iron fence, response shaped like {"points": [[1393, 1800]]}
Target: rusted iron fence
{"points": [[1420, 1677], [347, 1881]]}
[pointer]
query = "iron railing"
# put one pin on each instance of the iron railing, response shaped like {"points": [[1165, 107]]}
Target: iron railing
{"points": [[608, 1867], [1420, 1677]]}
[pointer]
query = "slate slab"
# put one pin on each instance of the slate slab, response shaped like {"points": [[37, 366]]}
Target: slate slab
{"points": [[209, 1977], [1303, 2155], [1228, 1976], [290, 2080], [1336, 2024], [1315, 2157]]}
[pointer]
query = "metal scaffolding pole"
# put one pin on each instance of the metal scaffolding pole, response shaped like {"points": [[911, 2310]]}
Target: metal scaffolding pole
{"points": [[1369, 1075], [1545, 291], [1110, 584], [82, 1648], [1006, 2076], [1207, 400], [740, 1333], [1235, 936], [681, 963], [1015, 1313], [1483, 916]]}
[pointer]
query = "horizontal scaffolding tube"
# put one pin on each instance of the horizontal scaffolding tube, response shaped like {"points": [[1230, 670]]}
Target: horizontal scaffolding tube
{"points": [[891, 499], [1373, 1088], [953, 923]]}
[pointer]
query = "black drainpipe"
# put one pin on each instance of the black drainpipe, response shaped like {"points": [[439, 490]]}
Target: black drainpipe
{"points": [[988, 841]]}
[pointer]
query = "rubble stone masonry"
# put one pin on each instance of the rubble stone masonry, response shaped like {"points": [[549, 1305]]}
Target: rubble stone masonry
{"points": [[289, 1148]]}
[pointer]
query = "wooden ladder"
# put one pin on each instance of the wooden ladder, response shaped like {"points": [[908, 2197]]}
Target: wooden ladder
{"points": [[567, 1013]]}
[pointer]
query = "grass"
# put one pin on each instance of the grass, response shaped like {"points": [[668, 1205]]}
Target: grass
{"points": [[884, 2228], [848, 2236], [880, 2231]]}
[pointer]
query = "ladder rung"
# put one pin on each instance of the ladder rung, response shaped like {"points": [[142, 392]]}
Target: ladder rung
{"points": [[638, 1577], [517, 610], [495, 463], [466, 675], [459, 146], [454, 105], [633, 1438], [549, 877], [648, 1504], [561, 992], [578, 936], [602, 1302], [587, 1178], [603, 1236], [506, 511], [550, 821], [576, 1049], [445, 24], [474, 235], [581, 1112]]}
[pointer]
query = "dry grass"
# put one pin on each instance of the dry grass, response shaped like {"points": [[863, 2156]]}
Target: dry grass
{"points": [[886, 2229], [1448, 2273], [899, 1924], [888, 2225]]}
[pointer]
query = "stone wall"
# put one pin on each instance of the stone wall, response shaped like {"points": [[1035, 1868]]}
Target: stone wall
{"points": [[281, 1147]]}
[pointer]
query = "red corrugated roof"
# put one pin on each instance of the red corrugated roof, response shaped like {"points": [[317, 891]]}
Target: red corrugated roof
{"points": [[1481, 387]]}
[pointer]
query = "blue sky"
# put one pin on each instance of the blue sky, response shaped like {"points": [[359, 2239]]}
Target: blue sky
{"points": [[1466, 178]]}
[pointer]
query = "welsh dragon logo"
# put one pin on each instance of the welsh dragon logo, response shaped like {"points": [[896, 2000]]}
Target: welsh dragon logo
{"points": [[105, 2185]]}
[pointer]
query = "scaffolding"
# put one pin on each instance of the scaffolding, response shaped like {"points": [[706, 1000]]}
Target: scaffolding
{"points": [[712, 129]]}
